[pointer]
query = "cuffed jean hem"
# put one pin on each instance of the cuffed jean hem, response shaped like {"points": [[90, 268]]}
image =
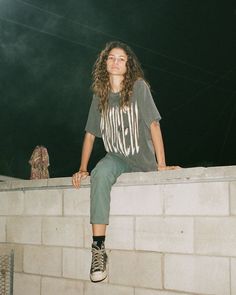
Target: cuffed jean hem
{"points": [[97, 221]]}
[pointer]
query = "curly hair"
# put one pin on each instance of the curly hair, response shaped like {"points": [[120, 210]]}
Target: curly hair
{"points": [[101, 83]]}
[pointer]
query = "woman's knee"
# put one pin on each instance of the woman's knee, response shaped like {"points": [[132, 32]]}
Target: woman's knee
{"points": [[101, 172]]}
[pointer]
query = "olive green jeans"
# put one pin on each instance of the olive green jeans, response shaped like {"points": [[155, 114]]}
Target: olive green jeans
{"points": [[103, 176]]}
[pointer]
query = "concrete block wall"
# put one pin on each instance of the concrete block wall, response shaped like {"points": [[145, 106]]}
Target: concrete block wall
{"points": [[170, 233]]}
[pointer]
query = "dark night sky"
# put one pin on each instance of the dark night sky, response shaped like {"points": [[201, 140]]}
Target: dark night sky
{"points": [[47, 49]]}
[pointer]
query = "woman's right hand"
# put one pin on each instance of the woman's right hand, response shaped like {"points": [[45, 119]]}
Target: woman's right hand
{"points": [[77, 177]]}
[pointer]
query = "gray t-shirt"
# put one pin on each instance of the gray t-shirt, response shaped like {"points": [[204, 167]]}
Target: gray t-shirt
{"points": [[126, 132]]}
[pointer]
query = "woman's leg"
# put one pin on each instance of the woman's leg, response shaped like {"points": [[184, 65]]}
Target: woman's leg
{"points": [[99, 229], [103, 176]]}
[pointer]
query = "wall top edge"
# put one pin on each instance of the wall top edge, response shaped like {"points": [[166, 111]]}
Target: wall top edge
{"points": [[183, 175]]}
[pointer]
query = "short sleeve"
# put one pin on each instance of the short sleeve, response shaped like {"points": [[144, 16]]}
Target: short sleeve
{"points": [[146, 103], [94, 118]]}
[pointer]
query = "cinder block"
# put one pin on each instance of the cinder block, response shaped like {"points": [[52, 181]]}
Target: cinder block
{"points": [[5, 185], [197, 274], [25, 230], [26, 284], [63, 231], [137, 200], [11, 203], [139, 291], [120, 233], [88, 233], [76, 263], [140, 269], [107, 289], [233, 198], [215, 236], [60, 181], [53, 286], [77, 202], [220, 172], [43, 260], [43, 202], [31, 183], [210, 198], [233, 276], [18, 254], [2, 229], [170, 234]]}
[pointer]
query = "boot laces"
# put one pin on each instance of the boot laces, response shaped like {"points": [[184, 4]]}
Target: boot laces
{"points": [[98, 259]]}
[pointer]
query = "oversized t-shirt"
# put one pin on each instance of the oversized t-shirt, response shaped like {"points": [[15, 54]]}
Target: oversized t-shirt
{"points": [[126, 131]]}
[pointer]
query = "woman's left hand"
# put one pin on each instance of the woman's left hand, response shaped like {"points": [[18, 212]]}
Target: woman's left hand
{"points": [[163, 168]]}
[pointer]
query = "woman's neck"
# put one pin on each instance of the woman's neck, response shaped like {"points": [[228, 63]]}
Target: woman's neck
{"points": [[115, 81]]}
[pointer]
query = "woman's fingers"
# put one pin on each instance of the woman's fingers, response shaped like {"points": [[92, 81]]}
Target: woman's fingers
{"points": [[168, 168], [174, 167], [75, 180], [77, 177]]}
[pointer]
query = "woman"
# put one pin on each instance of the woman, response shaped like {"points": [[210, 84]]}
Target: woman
{"points": [[124, 114]]}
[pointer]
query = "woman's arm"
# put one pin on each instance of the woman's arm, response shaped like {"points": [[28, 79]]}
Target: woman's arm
{"points": [[86, 152], [157, 141]]}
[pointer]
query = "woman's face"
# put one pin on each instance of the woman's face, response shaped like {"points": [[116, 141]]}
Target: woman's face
{"points": [[116, 62]]}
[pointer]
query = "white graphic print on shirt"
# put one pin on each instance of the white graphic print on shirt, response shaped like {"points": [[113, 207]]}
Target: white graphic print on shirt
{"points": [[116, 136]]}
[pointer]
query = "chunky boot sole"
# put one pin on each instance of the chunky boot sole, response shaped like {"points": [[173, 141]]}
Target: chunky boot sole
{"points": [[98, 276]]}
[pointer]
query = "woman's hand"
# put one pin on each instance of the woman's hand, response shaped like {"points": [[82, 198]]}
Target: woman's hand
{"points": [[77, 177], [163, 168]]}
